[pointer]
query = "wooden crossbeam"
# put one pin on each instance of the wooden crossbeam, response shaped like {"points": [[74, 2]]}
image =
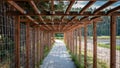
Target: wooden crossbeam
{"points": [[37, 11], [67, 11], [113, 10], [87, 6], [83, 19], [86, 13], [69, 8], [52, 12], [21, 10], [82, 25], [104, 6]]}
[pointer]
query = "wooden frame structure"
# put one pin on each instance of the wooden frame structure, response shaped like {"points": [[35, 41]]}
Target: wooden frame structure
{"points": [[44, 28]]}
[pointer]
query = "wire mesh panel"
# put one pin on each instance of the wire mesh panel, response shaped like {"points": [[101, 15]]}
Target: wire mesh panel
{"points": [[103, 43], [118, 43], [90, 46], [7, 46], [22, 45], [82, 48], [31, 54]]}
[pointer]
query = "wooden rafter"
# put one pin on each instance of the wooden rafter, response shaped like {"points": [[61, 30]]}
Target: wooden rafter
{"points": [[82, 25], [86, 13], [37, 11], [52, 12], [22, 11], [81, 20], [67, 11], [113, 10], [104, 6], [87, 6]]}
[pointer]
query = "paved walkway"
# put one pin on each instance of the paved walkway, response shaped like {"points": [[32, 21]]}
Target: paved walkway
{"points": [[58, 57]]}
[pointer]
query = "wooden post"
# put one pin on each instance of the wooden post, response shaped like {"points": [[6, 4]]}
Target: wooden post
{"points": [[76, 40], [17, 42], [113, 42], [85, 46], [73, 43], [27, 44], [94, 45], [80, 45], [33, 56]]}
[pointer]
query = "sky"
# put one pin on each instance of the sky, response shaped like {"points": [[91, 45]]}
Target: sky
{"points": [[97, 4]]}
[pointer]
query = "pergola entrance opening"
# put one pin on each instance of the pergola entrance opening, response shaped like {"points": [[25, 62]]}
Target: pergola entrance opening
{"points": [[90, 29]]}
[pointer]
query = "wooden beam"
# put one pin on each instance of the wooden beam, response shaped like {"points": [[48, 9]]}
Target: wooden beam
{"points": [[113, 42], [58, 13], [104, 6], [69, 22], [69, 8], [21, 10], [94, 45], [113, 10], [67, 11], [37, 11], [17, 42], [87, 6], [76, 23]]}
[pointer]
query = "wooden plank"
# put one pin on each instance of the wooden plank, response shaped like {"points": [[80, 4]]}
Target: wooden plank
{"points": [[17, 42], [113, 42], [27, 44], [94, 45]]}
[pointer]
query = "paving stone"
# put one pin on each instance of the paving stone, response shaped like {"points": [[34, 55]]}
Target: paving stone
{"points": [[58, 57]]}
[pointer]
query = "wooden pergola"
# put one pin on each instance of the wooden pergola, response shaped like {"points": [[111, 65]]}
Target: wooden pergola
{"points": [[65, 25]]}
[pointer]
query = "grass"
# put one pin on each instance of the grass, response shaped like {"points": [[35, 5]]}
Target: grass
{"points": [[100, 64], [104, 37], [108, 46], [46, 52]]}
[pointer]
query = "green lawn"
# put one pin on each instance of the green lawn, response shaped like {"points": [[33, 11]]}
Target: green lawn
{"points": [[108, 46], [104, 37]]}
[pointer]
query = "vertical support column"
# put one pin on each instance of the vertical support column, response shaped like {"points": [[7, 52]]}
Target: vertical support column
{"points": [[27, 44], [85, 46], [33, 56], [17, 42], [79, 45], [72, 42], [113, 42], [76, 40], [37, 44], [94, 45]]}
